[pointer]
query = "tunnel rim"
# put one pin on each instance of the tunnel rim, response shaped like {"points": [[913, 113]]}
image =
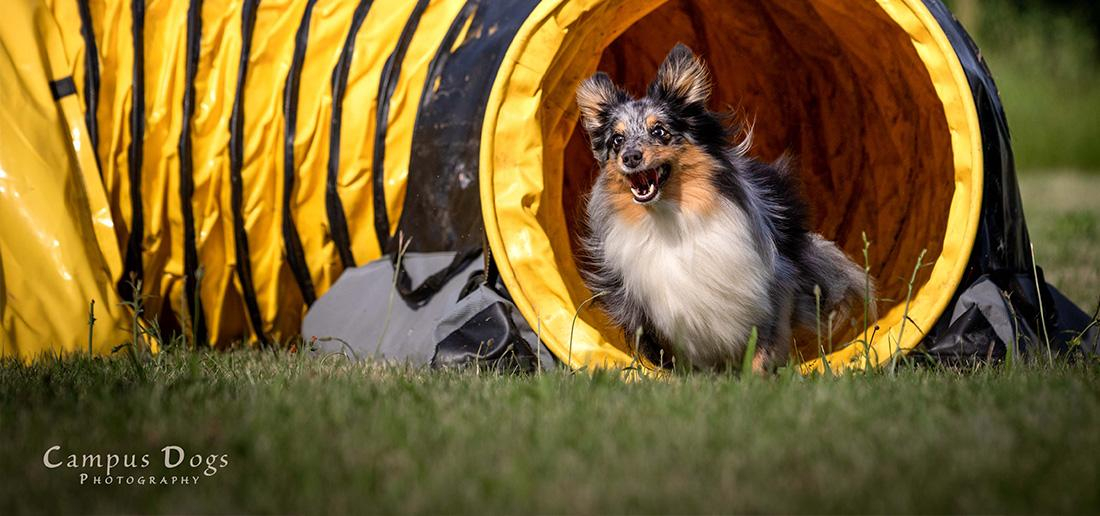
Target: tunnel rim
{"points": [[537, 37]]}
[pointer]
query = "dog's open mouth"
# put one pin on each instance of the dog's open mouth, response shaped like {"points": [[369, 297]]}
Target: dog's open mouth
{"points": [[646, 184]]}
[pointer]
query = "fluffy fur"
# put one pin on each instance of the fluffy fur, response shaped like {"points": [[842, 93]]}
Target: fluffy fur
{"points": [[691, 240]]}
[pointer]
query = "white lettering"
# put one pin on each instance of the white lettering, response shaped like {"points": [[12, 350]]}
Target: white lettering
{"points": [[168, 450], [46, 457]]}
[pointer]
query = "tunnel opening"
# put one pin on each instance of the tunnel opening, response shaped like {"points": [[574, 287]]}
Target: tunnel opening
{"points": [[866, 96]]}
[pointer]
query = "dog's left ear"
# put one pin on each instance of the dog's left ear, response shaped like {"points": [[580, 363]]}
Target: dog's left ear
{"points": [[595, 96], [682, 78]]}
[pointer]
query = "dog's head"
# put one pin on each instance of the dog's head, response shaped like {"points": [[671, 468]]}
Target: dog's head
{"points": [[664, 141]]}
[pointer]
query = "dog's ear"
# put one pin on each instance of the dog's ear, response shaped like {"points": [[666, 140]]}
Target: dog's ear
{"points": [[595, 96], [682, 78]]}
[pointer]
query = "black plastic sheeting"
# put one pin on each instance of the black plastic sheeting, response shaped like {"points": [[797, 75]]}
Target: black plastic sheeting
{"points": [[489, 338], [997, 304], [1000, 313]]}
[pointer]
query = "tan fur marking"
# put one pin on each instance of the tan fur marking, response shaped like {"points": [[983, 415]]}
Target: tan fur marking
{"points": [[691, 181], [650, 121], [618, 188], [620, 127]]}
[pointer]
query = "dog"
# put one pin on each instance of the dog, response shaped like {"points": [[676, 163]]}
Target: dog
{"points": [[692, 242]]}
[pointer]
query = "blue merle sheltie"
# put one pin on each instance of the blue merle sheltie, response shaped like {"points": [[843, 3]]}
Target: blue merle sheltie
{"points": [[694, 243]]}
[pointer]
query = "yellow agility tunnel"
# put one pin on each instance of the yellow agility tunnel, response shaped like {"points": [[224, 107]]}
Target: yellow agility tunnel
{"points": [[237, 156]]}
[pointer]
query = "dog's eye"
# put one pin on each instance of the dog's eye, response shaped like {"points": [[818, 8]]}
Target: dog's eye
{"points": [[659, 132], [617, 141]]}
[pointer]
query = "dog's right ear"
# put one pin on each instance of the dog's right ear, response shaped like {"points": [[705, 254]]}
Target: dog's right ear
{"points": [[595, 96]]}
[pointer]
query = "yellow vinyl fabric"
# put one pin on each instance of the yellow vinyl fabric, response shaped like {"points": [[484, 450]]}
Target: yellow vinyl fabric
{"points": [[57, 245], [869, 94], [77, 250]]}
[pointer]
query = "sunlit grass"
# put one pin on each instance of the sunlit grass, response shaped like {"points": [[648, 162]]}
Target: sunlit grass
{"points": [[305, 435]]}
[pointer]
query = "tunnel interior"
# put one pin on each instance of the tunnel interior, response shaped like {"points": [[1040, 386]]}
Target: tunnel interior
{"points": [[839, 86]]}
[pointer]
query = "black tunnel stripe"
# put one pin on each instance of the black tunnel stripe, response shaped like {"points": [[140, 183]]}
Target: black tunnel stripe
{"points": [[291, 240], [236, 162], [133, 269], [430, 286], [62, 87], [337, 221], [91, 76], [445, 157], [187, 180], [391, 72]]}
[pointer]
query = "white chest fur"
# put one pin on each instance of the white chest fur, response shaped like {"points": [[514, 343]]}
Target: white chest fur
{"points": [[702, 279]]}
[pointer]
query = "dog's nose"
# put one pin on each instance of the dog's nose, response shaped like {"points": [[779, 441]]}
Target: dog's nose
{"points": [[632, 158]]}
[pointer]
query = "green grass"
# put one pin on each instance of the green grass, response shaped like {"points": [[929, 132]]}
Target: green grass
{"points": [[306, 435]]}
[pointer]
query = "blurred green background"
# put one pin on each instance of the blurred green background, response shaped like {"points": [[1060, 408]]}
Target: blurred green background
{"points": [[1045, 58]]}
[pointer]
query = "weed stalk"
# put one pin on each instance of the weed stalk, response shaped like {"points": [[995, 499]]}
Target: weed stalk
{"points": [[1042, 313], [866, 301], [91, 326], [820, 347], [905, 315]]}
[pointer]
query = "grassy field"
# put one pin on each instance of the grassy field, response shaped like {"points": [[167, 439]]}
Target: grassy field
{"points": [[314, 436], [1063, 216], [311, 435]]}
